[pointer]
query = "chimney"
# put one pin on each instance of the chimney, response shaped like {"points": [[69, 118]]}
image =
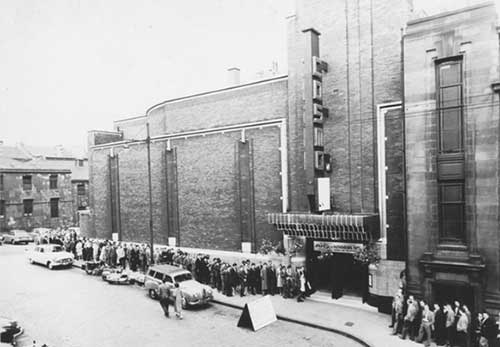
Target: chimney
{"points": [[233, 76]]}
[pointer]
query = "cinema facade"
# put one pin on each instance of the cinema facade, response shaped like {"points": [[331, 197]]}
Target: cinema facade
{"points": [[326, 155]]}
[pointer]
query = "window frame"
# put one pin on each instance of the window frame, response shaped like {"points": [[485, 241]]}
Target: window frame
{"points": [[1, 182], [28, 203], [79, 191], [53, 181], [439, 63], [54, 208], [25, 185], [459, 235], [2, 208]]}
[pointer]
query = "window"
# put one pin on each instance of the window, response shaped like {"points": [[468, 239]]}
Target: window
{"points": [[159, 276], [451, 211], [450, 102], [152, 273], [2, 208], [80, 162], [1, 182], [28, 206], [53, 181], [168, 279], [54, 207], [27, 182], [80, 188]]}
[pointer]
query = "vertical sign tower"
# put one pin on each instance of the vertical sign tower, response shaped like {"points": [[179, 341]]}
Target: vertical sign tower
{"points": [[316, 162]]}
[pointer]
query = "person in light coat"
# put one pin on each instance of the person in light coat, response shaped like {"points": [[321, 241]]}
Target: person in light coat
{"points": [[178, 301]]}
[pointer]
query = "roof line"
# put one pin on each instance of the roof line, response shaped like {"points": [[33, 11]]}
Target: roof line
{"points": [[450, 13], [216, 91], [128, 119]]}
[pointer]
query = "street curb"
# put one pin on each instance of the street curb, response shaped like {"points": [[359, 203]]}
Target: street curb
{"points": [[312, 325], [292, 320]]}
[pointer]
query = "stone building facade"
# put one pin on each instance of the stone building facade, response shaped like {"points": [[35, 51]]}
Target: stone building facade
{"points": [[452, 149], [40, 190]]}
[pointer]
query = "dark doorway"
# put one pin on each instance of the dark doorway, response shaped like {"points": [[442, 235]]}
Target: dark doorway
{"points": [[447, 292], [339, 274]]}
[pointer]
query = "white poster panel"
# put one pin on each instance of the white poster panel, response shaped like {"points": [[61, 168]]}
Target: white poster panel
{"points": [[323, 184]]}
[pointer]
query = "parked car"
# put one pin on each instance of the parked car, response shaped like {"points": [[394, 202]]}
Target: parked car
{"points": [[51, 256], [106, 271], [194, 293], [9, 330], [137, 277], [117, 278], [17, 236]]}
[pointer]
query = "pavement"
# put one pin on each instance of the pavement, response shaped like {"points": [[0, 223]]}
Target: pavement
{"points": [[346, 316], [67, 308]]}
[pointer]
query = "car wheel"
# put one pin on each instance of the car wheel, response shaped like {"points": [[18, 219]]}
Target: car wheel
{"points": [[152, 294], [50, 265]]}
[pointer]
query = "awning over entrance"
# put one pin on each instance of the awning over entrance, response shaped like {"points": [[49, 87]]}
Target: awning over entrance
{"points": [[342, 227]]}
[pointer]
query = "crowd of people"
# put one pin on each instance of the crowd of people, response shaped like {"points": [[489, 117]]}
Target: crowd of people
{"points": [[245, 278], [446, 325]]}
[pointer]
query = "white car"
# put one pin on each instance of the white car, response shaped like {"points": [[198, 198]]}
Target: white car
{"points": [[51, 256], [17, 236]]}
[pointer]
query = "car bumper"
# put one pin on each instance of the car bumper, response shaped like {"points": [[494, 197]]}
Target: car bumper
{"points": [[63, 263], [198, 302]]}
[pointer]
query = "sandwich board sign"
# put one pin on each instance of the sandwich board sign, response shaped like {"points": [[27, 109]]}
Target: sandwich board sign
{"points": [[257, 314]]}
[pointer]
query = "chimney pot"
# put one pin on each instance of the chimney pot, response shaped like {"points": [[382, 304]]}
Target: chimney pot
{"points": [[233, 76]]}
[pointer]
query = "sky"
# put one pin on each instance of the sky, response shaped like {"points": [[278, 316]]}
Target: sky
{"points": [[70, 66]]}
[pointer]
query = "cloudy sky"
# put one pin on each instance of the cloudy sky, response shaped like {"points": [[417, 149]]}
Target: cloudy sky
{"points": [[69, 66]]}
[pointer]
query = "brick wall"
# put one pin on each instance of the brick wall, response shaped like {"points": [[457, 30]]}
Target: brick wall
{"points": [[262, 101], [352, 33], [470, 32], [207, 194]]}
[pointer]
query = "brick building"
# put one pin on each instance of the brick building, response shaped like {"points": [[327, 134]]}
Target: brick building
{"points": [[452, 150], [40, 187], [295, 157]]}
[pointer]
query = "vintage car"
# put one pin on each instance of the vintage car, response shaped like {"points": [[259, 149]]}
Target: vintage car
{"points": [[117, 278], [194, 293], [92, 268], [137, 277], [17, 236], [106, 271], [9, 331], [51, 256]]}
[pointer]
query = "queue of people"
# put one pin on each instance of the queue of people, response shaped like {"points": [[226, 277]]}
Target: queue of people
{"points": [[245, 278], [447, 325]]}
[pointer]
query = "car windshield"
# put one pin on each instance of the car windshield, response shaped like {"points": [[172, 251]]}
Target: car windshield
{"points": [[183, 277], [57, 249]]}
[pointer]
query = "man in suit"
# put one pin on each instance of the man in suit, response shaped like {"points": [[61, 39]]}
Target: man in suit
{"points": [[164, 293], [489, 329]]}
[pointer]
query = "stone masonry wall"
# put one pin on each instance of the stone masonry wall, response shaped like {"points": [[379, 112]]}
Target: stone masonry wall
{"points": [[471, 32]]}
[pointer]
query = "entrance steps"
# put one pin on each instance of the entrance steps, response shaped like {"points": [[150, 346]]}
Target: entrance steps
{"points": [[351, 301]]}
